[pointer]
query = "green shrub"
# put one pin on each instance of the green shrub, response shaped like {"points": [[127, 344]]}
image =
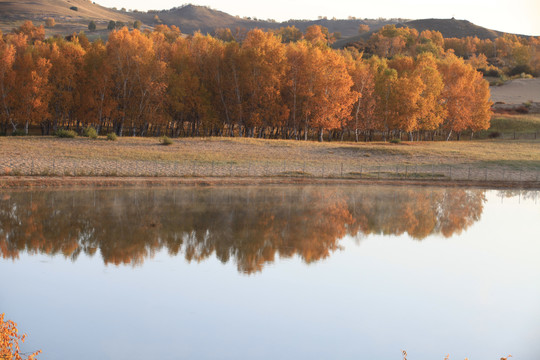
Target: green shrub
{"points": [[395, 141], [63, 133], [112, 137], [18, 132], [165, 140], [90, 132]]}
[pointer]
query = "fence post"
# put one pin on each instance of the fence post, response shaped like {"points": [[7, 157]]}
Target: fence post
{"points": [[432, 171], [406, 171], [361, 168], [32, 170], [212, 173], [450, 168], [379, 172], [53, 166], [469, 175], [341, 169]]}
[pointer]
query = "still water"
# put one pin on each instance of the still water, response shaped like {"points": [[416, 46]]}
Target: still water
{"points": [[273, 272]]}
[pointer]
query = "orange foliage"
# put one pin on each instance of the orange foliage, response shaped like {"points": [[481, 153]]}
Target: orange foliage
{"points": [[9, 341]]}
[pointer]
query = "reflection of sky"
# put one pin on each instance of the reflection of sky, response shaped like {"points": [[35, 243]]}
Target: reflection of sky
{"points": [[475, 295]]}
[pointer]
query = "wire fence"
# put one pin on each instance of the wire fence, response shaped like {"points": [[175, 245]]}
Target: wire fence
{"points": [[144, 168]]}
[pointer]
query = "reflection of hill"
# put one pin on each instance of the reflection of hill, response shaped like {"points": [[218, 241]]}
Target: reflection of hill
{"points": [[247, 225]]}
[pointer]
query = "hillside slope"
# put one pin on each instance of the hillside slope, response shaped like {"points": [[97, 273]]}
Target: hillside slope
{"points": [[449, 28], [191, 18]]}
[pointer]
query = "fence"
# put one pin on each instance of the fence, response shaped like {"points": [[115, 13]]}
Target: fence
{"points": [[140, 168]]}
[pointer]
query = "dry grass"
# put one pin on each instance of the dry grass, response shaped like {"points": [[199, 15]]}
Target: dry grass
{"points": [[254, 157]]}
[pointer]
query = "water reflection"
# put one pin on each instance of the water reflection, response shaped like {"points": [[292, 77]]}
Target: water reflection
{"points": [[250, 226]]}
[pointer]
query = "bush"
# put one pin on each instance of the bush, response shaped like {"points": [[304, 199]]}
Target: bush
{"points": [[90, 132], [62, 133], [494, 135], [112, 25], [18, 132], [395, 141], [112, 137], [165, 140], [137, 24], [74, 8], [92, 26], [50, 23]]}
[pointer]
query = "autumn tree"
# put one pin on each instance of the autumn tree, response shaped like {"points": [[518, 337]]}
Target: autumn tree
{"points": [[50, 22], [9, 341], [66, 59], [363, 78], [138, 78], [263, 69], [363, 28], [466, 97]]}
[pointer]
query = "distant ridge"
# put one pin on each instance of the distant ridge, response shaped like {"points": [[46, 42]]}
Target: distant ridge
{"points": [[192, 18]]}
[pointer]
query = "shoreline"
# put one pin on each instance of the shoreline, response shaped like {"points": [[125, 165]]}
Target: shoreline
{"points": [[63, 182]]}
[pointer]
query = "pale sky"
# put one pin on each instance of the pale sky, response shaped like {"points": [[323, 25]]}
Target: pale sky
{"points": [[517, 16]]}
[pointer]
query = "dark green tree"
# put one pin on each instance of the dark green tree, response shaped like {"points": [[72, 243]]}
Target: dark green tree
{"points": [[92, 26]]}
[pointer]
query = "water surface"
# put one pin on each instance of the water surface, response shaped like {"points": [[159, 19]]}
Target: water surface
{"points": [[273, 272]]}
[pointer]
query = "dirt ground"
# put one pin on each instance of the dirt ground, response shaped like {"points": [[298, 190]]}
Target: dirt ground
{"points": [[100, 160], [517, 91]]}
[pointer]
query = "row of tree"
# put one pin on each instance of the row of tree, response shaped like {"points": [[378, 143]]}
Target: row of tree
{"points": [[509, 54], [160, 82]]}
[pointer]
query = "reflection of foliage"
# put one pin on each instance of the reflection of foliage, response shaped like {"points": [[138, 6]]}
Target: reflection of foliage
{"points": [[249, 225], [9, 341]]}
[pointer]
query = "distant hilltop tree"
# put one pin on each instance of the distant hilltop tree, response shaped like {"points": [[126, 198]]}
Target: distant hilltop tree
{"points": [[92, 26], [50, 23], [363, 28], [111, 25]]}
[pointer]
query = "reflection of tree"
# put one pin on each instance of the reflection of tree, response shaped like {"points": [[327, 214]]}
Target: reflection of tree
{"points": [[250, 226]]}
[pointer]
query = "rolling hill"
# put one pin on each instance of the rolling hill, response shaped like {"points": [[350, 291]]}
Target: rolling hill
{"points": [[449, 28], [74, 16]]}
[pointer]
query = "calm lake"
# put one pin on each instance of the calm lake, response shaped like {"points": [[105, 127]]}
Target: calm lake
{"points": [[283, 272]]}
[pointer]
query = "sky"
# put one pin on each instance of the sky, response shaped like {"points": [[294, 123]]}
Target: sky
{"points": [[517, 16]]}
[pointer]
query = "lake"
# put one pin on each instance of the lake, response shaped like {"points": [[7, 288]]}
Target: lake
{"points": [[275, 272]]}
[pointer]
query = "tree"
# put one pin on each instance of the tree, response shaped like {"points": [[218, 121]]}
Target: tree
{"points": [[50, 23], [9, 341], [138, 78], [363, 28], [466, 97], [111, 26], [92, 26], [362, 75], [137, 24], [263, 68]]}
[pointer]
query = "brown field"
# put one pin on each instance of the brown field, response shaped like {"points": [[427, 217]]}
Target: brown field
{"points": [[488, 160]]}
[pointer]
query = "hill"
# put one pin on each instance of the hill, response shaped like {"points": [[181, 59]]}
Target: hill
{"points": [[74, 16], [449, 28], [70, 15]]}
